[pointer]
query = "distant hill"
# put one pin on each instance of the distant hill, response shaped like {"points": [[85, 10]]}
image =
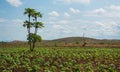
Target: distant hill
{"points": [[73, 39], [68, 41], [86, 39]]}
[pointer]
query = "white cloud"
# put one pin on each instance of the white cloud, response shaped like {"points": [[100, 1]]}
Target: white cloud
{"points": [[76, 27], [11, 23], [15, 3], [54, 14], [96, 12], [74, 1], [107, 27], [66, 14], [74, 10], [57, 26], [63, 22], [62, 28], [14, 29], [17, 22], [99, 11], [102, 23], [14, 21], [113, 11], [82, 1], [110, 12], [2, 20], [114, 7], [113, 15]]}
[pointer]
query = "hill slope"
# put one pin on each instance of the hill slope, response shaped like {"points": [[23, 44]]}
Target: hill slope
{"points": [[86, 39]]}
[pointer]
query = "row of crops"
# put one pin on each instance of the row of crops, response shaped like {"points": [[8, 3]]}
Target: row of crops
{"points": [[60, 60]]}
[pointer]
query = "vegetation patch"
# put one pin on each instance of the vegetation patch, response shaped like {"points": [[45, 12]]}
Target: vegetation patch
{"points": [[60, 60]]}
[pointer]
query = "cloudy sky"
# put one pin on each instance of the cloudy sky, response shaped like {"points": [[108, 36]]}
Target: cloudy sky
{"points": [[62, 18]]}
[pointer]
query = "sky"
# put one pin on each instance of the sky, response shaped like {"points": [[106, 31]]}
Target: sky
{"points": [[98, 19]]}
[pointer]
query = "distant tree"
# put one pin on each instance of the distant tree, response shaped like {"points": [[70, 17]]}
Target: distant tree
{"points": [[55, 44], [65, 43], [77, 42], [84, 44], [84, 41], [3, 44], [32, 37]]}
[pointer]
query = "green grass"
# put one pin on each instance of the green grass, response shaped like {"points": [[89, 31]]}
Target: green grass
{"points": [[58, 59]]}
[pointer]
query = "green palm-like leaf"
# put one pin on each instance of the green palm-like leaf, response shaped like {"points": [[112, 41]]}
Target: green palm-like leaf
{"points": [[29, 11], [27, 24], [34, 37], [38, 25], [37, 14]]}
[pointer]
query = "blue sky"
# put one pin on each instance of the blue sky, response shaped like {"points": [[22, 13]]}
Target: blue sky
{"points": [[62, 18]]}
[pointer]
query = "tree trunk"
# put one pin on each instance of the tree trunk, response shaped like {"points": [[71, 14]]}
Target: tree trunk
{"points": [[35, 26], [29, 35], [33, 45], [34, 41], [36, 30]]}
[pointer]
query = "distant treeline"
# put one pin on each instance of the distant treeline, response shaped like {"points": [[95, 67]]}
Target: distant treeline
{"points": [[66, 42]]}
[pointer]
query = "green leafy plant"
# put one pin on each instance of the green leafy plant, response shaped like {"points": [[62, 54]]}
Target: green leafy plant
{"points": [[33, 37]]}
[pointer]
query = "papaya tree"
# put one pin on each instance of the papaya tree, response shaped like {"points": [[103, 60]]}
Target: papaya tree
{"points": [[36, 24], [33, 37], [28, 24]]}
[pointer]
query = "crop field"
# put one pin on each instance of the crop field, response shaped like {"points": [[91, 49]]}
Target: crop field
{"points": [[56, 59]]}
